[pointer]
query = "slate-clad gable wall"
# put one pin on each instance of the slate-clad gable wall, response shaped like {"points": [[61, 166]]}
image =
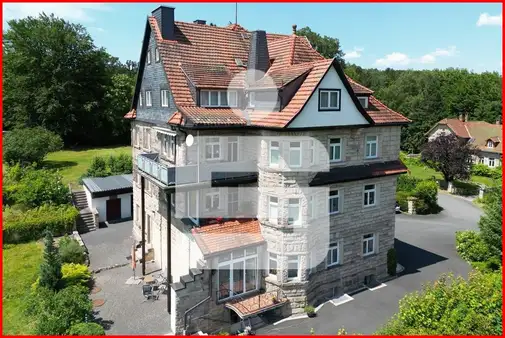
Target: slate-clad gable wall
{"points": [[154, 79]]}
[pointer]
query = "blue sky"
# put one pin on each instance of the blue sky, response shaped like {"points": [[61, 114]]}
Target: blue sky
{"points": [[400, 36]]}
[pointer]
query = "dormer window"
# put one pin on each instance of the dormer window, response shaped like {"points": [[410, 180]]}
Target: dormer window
{"points": [[490, 144], [218, 98], [364, 101], [148, 56], [329, 99], [156, 55]]}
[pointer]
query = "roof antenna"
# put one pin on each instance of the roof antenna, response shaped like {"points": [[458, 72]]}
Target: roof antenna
{"points": [[236, 12]]}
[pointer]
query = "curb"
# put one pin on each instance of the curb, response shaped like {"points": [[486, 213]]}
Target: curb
{"points": [[109, 267]]}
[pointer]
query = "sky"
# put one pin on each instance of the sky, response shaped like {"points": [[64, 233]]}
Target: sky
{"points": [[399, 36]]}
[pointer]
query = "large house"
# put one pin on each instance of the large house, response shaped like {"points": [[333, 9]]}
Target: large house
{"points": [[484, 136], [264, 177]]}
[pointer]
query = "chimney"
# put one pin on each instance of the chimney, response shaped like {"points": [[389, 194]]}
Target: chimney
{"points": [[165, 17], [258, 58], [200, 22], [462, 117], [294, 29]]}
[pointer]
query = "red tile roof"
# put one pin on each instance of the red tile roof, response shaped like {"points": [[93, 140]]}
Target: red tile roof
{"points": [[131, 114], [216, 238], [204, 56]]}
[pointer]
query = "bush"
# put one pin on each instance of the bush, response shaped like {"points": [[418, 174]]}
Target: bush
{"points": [[309, 309], [107, 166], [29, 145], [484, 170], [26, 226], [391, 262], [86, 329], [466, 188], [426, 193], [410, 160], [401, 198], [50, 269], [75, 274], [407, 183], [71, 251], [471, 247]]}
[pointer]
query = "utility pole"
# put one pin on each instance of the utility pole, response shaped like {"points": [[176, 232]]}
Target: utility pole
{"points": [[236, 12]]}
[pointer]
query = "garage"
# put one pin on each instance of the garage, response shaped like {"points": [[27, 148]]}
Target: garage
{"points": [[111, 196]]}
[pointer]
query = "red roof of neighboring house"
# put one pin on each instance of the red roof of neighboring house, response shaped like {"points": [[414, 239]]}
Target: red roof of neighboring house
{"points": [[205, 56], [220, 237]]}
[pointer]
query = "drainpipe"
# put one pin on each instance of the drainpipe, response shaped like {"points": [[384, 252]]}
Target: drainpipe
{"points": [[143, 227], [169, 249]]}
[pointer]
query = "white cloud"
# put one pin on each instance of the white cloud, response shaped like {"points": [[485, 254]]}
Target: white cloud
{"points": [[489, 20], [354, 54], [397, 59], [80, 12]]}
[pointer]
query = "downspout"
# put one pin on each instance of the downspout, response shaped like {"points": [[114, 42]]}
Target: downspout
{"points": [[143, 227], [169, 250]]}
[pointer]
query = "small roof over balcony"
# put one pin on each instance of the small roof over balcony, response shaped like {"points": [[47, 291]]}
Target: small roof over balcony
{"points": [[252, 305]]}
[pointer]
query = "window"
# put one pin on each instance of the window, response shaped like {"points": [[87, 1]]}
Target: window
{"points": [[295, 154], [149, 102], [481, 160], [148, 56], [272, 263], [237, 272], [363, 101], [371, 147], [368, 244], [334, 202], [146, 142], [156, 55], [490, 144], [491, 162], [312, 152], [212, 201], [168, 145], [369, 195], [217, 98], [192, 206], [335, 149], [140, 99], [274, 153], [164, 98], [232, 149], [292, 267], [329, 99], [252, 99], [273, 208], [333, 257], [232, 201], [212, 148], [294, 211]]}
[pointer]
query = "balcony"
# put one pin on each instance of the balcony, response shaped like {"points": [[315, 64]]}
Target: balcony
{"points": [[216, 174]]}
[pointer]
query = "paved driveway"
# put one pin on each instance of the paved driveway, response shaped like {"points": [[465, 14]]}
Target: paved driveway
{"points": [[425, 247]]}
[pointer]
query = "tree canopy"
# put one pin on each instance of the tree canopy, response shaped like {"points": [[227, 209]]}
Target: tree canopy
{"points": [[326, 46]]}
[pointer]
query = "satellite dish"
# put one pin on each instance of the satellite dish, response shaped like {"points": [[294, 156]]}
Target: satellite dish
{"points": [[189, 140]]}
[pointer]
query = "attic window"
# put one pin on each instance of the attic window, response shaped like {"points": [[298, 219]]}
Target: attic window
{"points": [[239, 63], [364, 101], [329, 99], [156, 55], [490, 144], [218, 98], [148, 56]]}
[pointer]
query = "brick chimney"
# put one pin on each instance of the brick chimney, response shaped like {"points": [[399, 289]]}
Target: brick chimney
{"points": [[165, 17]]}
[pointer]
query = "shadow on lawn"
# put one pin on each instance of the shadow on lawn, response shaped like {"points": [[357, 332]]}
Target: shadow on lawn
{"points": [[59, 164]]}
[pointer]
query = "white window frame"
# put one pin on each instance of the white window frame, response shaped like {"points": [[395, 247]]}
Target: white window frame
{"points": [[164, 98], [233, 201], [312, 152], [481, 160], [149, 98], [293, 150], [273, 206], [291, 259], [229, 95], [333, 145], [146, 138], [333, 247], [273, 257], [295, 203], [140, 99], [363, 100], [366, 195], [311, 207], [232, 148], [365, 244], [368, 146], [491, 162], [156, 55], [244, 258], [332, 197], [252, 100], [329, 107], [271, 148], [167, 146], [211, 196], [213, 144], [149, 56], [196, 206]]}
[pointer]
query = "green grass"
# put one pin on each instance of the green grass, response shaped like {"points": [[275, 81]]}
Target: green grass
{"points": [[73, 163], [20, 270]]}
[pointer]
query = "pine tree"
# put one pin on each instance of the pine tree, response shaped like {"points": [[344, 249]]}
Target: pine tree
{"points": [[490, 223], [50, 269]]}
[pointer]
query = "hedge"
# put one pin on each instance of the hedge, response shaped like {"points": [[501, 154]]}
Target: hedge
{"points": [[466, 188], [407, 183], [484, 170], [29, 225], [402, 199], [86, 329]]}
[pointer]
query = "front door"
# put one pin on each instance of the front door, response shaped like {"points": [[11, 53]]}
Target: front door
{"points": [[113, 209]]}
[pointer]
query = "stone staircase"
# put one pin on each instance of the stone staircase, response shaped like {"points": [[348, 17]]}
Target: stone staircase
{"points": [[85, 222]]}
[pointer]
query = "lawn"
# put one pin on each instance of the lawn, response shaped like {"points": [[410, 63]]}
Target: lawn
{"points": [[20, 270], [73, 163]]}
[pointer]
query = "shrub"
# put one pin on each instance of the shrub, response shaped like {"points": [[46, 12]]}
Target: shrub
{"points": [[391, 261], [481, 170], [86, 329], [309, 309], [26, 226], [75, 274], [111, 165], [401, 198], [50, 269], [29, 145], [471, 247], [466, 188], [98, 168], [411, 160], [427, 194], [407, 183], [71, 251]]}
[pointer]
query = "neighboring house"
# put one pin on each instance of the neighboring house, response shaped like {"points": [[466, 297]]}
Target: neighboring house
{"points": [[486, 137], [249, 186]]}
